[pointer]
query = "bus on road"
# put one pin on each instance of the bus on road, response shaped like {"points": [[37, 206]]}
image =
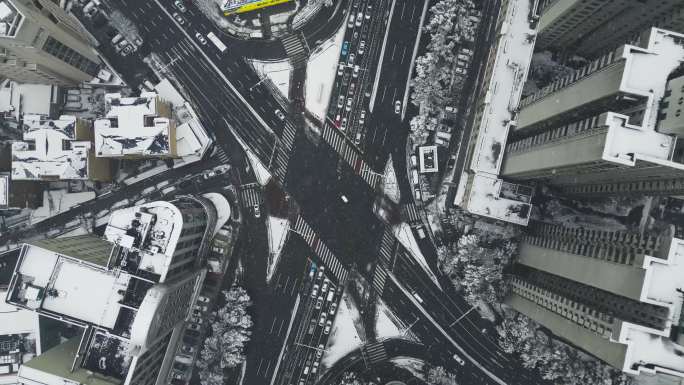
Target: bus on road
{"points": [[217, 42]]}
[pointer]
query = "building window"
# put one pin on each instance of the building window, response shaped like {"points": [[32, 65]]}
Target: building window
{"points": [[55, 48]]}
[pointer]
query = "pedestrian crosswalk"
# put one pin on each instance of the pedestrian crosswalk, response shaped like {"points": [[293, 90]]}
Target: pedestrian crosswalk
{"points": [[350, 154], [250, 194], [379, 278], [282, 156], [375, 352], [296, 50], [222, 156], [321, 250], [409, 213], [387, 247]]}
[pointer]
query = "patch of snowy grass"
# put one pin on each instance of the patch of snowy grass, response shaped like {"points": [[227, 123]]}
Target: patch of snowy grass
{"points": [[321, 72], [343, 338]]}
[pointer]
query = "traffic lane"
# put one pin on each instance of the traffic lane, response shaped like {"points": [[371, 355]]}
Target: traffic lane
{"points": [[349, 229]]}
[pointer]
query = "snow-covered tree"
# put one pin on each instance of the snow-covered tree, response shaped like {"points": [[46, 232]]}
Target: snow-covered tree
{"points": [[437, 375], [351, 378], [224, 347]]}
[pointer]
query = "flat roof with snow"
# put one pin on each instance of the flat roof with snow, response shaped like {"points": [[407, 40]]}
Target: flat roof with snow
{"points": [[10, 19], [428, 159], [135, 126], [50, 150], [149, 232]]}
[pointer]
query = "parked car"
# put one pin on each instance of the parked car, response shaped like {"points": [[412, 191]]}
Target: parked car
{"points": [[203, 299], [196, 320], [397, 107], [201, 38], [178, 18], [459, 359], [179, 4], [187, 349], [257, 211], [280, 115]]}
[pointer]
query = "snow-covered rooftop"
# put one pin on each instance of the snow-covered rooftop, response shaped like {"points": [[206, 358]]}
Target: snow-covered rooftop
{"points": [[10, 19], [17, 98], [482, 194], [661, 286], [488, 198], [50, 150], [135, 126], [149, 231]]}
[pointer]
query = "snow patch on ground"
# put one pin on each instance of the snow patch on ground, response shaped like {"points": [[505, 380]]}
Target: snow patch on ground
{"points": [[405, 236], [260, 171], [277, 229], [413, 365], [277, 71], [390, 185], [321, 72], [343, 338], [388, 325], [58, 201]]}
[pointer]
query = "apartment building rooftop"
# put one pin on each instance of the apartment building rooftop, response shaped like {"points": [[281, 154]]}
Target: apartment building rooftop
{"points": [[135, 126], [149, 233], [50, 150], [10, 18]]}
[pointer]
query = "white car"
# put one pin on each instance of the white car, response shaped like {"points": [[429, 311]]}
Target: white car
{"points": [[280, 115], [397, 107], [340, 69], [351, 22], [340, 101], [362, 118], [349, 104], [328, 326], [343, 126], [356, 71], [359, 19], [257, 211], [201, 38], [362, 47], [314, 291], [179, 4], [459, 360]]}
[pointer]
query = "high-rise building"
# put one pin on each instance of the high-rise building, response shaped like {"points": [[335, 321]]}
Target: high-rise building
{"points": [[42, 43], [616, 295], [57, 149], [136, 127], [591, 27], [129, 293], [606, 128]]}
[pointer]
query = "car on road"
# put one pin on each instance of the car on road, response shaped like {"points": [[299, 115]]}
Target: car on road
{"points": [[116, 38], [201, 38], [178, 18], [314, 368], [351, 59], [355, 36], [314, 291], [196, 320], [280, 115], [321, 271], [362, 117], [351, 21], [307, 368], [312, 326], [312, 272], [343, 126], [417, 297], [328, 326], [340, 69], [397, 107], [451, 162], [362, 47], [200, 307], [459, 359], [369, 8], [359, 19], [325, 285], [352, 88], [357, 140], [320, 350], [349, 104], [179, 4], [340, 101], [344, 199], [333, 308], [321, 321], [345, 48], [355, 73], [257, 211], [338, 120], [194, 327], [319, 303]]}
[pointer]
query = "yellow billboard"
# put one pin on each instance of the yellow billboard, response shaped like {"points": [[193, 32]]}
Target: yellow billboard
{"points": [[247, 6]]}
